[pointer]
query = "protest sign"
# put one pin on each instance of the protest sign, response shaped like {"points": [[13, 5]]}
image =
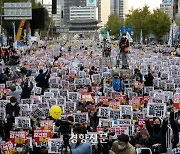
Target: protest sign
{"points": [[26, 101], [74, 96], [156, 110], [9, 84], [86, 97], [69, 106], [23, 106], [22, 122], [18, 137], [96, 78], [46, 124], [87, 81], [55, 145], [2, 113], [80, 118], [37, 90], [78, 81], [51, 101], [42, 135], [3, 103], [25, 113], [121, 122], [137, 115], [7, 147], [72, 87], [126, 110], [115, 114], [36, 113], [55, 92], [63, 92], [141, 123], [104, 112], [105, 123]]}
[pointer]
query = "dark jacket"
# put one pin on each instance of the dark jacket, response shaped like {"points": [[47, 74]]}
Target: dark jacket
{"points": [[12, 112], [149, 80], [158, 136], [26, 91], [40, 79], [123, 43], [175, 128]]}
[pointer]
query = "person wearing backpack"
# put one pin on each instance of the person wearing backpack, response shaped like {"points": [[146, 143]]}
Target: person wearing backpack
{"points": [[117, 83]]}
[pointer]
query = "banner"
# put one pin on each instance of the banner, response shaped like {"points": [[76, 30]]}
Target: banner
{"points": [[42, 135], [18, 137]]}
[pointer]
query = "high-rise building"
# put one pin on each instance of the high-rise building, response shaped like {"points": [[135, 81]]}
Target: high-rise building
{"points": [[119, 7], [56, 17], [66, 4], [167, 7], [83, 13]]}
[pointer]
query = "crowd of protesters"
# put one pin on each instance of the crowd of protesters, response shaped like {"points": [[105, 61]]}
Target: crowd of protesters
{"points": [[68, 61]]}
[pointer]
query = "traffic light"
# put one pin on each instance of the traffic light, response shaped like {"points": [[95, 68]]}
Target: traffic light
{"points": [[54, 6]]}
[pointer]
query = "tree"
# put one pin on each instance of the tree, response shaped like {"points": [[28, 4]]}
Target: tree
{"points": [[159, 23], [7, 23], [138, 20], [113, 24]]}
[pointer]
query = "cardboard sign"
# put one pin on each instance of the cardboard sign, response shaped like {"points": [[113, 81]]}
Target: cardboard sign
{"points": [[46, 124], [55, 145], [156, 110], [7, 147], [42, 135], [22, 122], [80, 118], [18, 137]]}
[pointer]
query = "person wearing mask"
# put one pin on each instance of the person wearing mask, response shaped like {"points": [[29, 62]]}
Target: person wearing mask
{"points": [[175, 125], [157, 134], [122, 146], [12, 111], [123, 46], [16, 91], [27, 87], [149, 79], [40, 80]]}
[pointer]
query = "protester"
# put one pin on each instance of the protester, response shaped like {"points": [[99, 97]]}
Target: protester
{"points": [[149, 79], [122, 146], [27, 87], [117, 84], [16, 91], [123, 46]]}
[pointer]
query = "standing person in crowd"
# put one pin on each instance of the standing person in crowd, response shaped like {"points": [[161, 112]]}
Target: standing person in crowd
{"points": [[175, 125], [122, 146], [27, 87], [117, 83], [16, 91], [12, 111], [41, 80], [124, 47], [149, 79], [137, 75], [158, 135]]}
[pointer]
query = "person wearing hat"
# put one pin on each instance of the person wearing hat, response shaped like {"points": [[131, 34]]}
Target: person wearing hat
{"points": [[123, 46], [122, 146]]}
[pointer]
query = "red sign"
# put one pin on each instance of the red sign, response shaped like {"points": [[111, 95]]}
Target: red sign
{"points": [[176, 101], [18, 137], [42, 135], [46, 124], [141, 122], [7, 147]]}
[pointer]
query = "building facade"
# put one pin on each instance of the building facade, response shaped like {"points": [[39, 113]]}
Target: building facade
{"points": [[56, 17], [167, 7], [119, 7], [83, 13]]}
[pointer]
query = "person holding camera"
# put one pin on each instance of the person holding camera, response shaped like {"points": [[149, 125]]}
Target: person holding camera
{"points": [[27, 87]]}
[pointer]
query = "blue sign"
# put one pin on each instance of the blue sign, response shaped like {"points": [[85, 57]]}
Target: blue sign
{"points": [[128, 29]]}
